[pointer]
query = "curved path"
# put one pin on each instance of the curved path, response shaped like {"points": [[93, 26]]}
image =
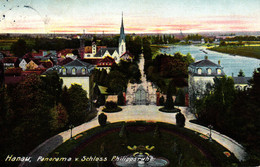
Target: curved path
{"points": [[134, 113]]}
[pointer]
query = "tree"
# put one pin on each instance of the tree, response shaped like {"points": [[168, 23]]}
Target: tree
{"points": [[157, 132], [161, 101], [31, 107], [169, 101], [59, 117], [123, 132], [223, 43], [77, 105], [241, 73], [102, 119], [180, 119], [120, 99], [76, 53], [52, 84], [180, 98], [117, 81], [19, 48], [101, 100], [110, 105]]}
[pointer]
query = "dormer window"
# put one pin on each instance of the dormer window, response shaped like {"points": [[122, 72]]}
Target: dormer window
{"points": [[218, 71], [83, 71], [64, 71], [73, 72], [209, 71], [199, 71]]}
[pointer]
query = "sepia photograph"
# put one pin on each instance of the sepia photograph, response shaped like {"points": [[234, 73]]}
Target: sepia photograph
{"points": [[133, 83]]}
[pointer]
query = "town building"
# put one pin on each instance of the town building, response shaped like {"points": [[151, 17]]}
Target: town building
{"points": [[201, 75], [106, 63], [74, 72], [10, 62], [242, 83], [23, 63]]}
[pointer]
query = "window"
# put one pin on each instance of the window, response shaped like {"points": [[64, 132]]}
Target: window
{"points": [[199, 71], [64, 71], [218, 71], [73, 71], [83, 71], [209, 71]]}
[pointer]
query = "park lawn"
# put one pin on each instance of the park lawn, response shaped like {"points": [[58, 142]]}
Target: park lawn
{"points": [[248, 51], [195, 150]]}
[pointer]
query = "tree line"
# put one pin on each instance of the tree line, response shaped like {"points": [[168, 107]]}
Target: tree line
{"points": [[234, 112], [36, 109]]}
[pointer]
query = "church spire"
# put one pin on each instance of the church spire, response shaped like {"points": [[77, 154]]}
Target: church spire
{"points": [[122, 31]]}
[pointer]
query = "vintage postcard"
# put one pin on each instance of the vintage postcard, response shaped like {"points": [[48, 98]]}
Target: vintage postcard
{"points": [[129, 83]]}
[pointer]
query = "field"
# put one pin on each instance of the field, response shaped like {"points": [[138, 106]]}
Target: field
{"points": [[248, 51], [6, 44]]}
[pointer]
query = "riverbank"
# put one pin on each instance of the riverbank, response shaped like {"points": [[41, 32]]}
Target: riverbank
{"points": [[247, 51]]}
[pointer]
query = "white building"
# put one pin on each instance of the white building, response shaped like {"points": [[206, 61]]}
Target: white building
{"points": [[201, 74]]}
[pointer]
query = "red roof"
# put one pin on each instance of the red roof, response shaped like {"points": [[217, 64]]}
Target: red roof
{"points": [[10, 59], [64, 61], [127, 53], [13, 79], [13, 71], [38, 71], [36, 61], [47, 64], [106, 62], [65, 52], [93, 61]]}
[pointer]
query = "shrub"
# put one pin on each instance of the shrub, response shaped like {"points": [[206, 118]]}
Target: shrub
{"points": [[120, 99], [101, 100], [161, 101], [122, 132], [180, 119], [180, 99], [157, 133], [110, 105], [102, 119]]}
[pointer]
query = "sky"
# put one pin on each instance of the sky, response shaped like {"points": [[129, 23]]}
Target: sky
{"points": [[140, 16]]}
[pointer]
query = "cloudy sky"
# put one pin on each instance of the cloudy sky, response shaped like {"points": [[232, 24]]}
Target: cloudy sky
{"points": [[140, 16]]}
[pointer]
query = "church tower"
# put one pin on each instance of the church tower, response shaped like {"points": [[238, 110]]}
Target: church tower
{"points": [[122, 42]]}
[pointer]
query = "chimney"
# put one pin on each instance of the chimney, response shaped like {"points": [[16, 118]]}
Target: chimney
{"points": [[232, 74], [206, 57], [218, 62]]}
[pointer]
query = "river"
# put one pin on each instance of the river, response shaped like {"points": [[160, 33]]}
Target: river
{"points": [[231, 63]]}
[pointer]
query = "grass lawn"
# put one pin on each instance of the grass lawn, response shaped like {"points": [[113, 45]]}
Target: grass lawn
{"points": [[178, 145], [248, 51]]}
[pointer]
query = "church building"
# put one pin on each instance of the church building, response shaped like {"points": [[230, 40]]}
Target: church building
{"points": [[101, 52]]}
